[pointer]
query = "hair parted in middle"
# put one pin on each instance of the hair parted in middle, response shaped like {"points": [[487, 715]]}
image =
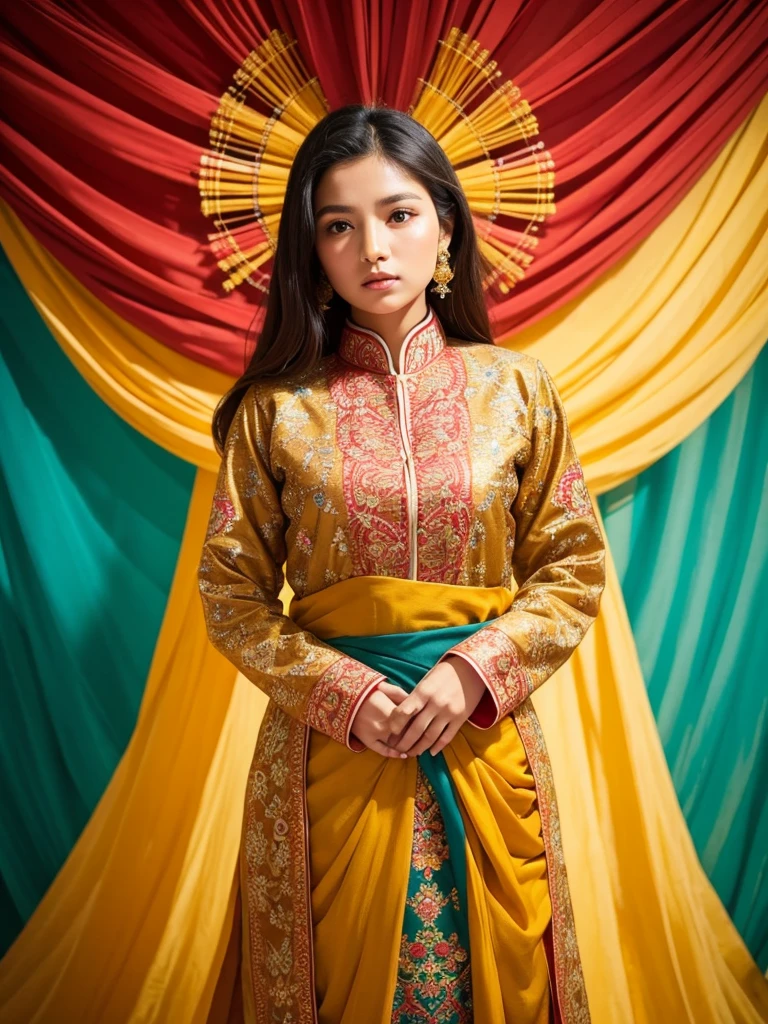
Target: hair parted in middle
{"points": [[295, 333]]}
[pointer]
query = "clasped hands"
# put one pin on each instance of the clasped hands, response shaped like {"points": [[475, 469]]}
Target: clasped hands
{"points": [[394, 723]]}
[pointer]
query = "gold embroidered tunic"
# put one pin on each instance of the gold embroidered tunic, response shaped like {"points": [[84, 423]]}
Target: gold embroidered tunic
{"points": [[454, 467]]}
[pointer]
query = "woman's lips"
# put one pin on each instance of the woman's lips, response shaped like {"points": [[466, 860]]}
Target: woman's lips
{"points": [[382, 284]]}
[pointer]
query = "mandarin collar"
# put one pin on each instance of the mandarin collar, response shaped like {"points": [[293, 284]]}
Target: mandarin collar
{"points": [[366, 349]]}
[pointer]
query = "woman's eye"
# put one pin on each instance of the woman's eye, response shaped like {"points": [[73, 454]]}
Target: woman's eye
{"points": [[344, 223]]}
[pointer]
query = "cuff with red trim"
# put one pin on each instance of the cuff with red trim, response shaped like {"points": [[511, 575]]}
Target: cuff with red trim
{"points": [[496, 660], [336, 698]]}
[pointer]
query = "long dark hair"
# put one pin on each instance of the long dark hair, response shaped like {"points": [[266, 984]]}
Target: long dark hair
{"points": [[295, 334]]}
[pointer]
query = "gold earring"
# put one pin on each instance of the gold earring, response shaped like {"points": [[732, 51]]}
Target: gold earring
{"points": [[324, 293], [443, 273]]}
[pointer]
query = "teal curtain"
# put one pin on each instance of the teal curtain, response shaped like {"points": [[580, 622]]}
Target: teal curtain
{"points": [[91, 519], [691, 547]]}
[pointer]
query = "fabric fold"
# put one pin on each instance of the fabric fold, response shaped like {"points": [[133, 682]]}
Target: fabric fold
{"points": [[617, 86], [479, 800]]}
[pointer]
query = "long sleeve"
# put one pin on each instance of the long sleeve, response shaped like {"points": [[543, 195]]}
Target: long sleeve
{"points": [[558, 563], [240, 577]]}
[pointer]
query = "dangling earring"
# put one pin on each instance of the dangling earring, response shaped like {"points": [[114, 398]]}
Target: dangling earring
{"points": [[443, 273], [324, 292]]}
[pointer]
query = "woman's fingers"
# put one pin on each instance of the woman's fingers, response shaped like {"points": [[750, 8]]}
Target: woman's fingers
{"points": [[406, 712], [395, 693], [408, 726], [445, 737], [436, 731], [379, 747], [417, 729]]}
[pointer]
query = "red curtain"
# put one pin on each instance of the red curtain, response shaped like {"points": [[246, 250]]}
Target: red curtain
{"points": [[106, 107]]}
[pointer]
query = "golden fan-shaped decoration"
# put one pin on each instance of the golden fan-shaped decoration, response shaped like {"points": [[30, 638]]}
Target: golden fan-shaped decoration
{"points": [[487, 131]]}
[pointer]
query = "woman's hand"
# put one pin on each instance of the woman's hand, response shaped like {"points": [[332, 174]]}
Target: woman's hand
{"points": [[432, 714], [371, 724]]}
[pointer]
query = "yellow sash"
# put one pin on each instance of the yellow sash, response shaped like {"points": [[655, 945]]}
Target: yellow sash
{"points": [[379, 605]]}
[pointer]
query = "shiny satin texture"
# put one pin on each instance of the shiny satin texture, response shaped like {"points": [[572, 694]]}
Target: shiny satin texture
{"points": [[361, 857], [456, 468]]}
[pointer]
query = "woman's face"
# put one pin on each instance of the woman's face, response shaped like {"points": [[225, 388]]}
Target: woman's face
{"points": [[370, 215]]}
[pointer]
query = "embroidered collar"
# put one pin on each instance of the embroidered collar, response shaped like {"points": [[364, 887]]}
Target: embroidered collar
{"points": [[367, 349]]}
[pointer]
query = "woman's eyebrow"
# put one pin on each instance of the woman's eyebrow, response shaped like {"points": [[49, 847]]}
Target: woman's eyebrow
{"points": [[398, 197]]}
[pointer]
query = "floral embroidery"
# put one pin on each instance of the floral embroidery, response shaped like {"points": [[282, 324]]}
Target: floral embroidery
{"points": [[430, 847], [571, 493], [303, 542], [222, 514], [335, 695], [568, 984], [423, 346], [440, 426], [275, 873], [434, 976]]}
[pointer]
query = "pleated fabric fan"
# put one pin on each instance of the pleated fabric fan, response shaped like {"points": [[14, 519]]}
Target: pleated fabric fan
{"points": [[487, 130]]}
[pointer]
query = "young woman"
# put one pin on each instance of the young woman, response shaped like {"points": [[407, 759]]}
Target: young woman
{"points": [[401, 858]]}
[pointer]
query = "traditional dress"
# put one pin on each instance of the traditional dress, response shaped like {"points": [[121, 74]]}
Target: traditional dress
{"points": [[431, 507]]}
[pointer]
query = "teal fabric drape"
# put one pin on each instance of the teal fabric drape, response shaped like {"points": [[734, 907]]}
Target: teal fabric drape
{"points": [[405, 658], [91, 520], [690, 542]]}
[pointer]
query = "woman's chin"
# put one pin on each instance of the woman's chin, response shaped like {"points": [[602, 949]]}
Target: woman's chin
{"points": [[392, 299]]}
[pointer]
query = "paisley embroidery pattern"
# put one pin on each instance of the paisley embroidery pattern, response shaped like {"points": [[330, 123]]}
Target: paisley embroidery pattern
{"points": [[372, 474], [434, 977], [222, 514], [363, 349], [440, 427], [571, 493], [437, 420]]}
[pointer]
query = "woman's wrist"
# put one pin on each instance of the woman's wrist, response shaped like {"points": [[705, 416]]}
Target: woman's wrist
{"points": [[472, 683]]}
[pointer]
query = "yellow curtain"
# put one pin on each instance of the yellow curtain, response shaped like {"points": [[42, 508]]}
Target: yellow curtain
{"points": [[135, 926]]}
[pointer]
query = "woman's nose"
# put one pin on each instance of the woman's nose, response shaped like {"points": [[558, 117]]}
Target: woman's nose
{"points": [[373, 246]]}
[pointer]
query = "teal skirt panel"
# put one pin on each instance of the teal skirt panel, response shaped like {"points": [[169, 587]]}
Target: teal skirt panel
{"points": [[434, 969]]}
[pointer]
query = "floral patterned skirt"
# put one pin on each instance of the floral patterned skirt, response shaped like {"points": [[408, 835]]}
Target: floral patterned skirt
{"points": [[434, 979]]}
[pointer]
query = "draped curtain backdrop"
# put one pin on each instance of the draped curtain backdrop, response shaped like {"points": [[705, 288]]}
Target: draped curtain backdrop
{"points": [[125, 738]]}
